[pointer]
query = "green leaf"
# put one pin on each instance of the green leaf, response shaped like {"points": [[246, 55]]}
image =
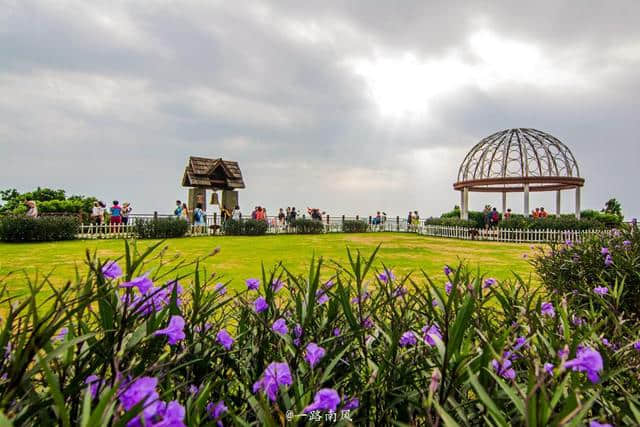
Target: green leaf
{"points": [[495, 413]]}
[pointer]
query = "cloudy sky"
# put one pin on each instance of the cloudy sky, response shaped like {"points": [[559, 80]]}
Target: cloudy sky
{"points": [[349, 106]]}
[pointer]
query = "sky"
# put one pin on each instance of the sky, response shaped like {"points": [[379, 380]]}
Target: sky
{"points": [[351, 107]]}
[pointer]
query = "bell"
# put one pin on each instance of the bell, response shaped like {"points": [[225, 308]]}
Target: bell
{"points": [[214, 198]]}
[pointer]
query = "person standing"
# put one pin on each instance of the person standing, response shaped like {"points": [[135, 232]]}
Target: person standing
{"points": [[281, 217], [32, 209], [126, 210], [199, 218], [236, 215], [184, 214], [178, 210], [96, 213]]}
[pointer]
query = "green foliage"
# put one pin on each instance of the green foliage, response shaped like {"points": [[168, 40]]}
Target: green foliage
{"points": [[248, 227], [613, 207], [308, 226], [42, 229], [451, 222], [576, 269], [437, 380], [590, 220], [355, 226], [48, 201], [160, 228]]}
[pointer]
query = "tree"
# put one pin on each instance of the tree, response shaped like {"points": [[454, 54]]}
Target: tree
{"points": [[613, 207]]}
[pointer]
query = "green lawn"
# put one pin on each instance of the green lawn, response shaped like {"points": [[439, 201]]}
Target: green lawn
{"points": [[240, 257]]}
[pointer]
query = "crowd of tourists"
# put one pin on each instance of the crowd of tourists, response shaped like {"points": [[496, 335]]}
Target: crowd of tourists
{"points": [[115, 215]]}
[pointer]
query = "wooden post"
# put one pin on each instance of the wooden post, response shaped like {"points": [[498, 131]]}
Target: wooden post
{"points": [[578, 202], [397, 223], [558, 203], [215, 218]]}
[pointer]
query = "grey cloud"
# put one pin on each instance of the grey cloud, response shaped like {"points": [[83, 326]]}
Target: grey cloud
{"points": [[111, 99]]}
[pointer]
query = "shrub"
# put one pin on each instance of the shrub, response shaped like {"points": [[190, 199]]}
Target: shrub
{"points": [[308, 226], [42, 229], [451, 222], [355, 226], [411, 351], [249, 227], [577, 268], [160, 228]]}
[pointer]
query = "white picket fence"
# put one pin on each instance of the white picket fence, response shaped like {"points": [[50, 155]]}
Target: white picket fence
{"points": [[506, 235], [334, 225]]}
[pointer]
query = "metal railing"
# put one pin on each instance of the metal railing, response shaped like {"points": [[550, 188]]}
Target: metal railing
{"points": [[212, 226]]}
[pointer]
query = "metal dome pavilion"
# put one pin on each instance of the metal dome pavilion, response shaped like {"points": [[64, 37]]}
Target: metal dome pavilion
{"points": [[518, 160]]}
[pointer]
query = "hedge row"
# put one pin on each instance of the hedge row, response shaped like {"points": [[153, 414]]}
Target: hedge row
{"points": [[161, 228], [355, 226], [250, 227], [43, 229]]}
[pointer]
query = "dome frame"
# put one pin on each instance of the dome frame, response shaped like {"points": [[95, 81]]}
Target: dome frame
{"points": [[519, 160]]}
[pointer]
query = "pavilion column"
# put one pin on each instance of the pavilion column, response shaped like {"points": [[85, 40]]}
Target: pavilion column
{"points": [[504, 202], [526, 200], [464, 208], [558, 200], [578, 202]]}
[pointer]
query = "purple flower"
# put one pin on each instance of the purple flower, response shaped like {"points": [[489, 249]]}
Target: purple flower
{"points": [[313, 354], [336, 332], [562, 354], [194, 389], [604, 251], [61, 334], [432, 333], [587, 360], [275, 376], [367, 323], [260, 305], [447, 270], [224, 339], [434, 302], [297, 330], [321, 297], [399, 291], [215, 410], [601, 290], [143, 283], [503, 367], [276, 285], [448, 287], [174, 331], [111, 270], [407, 339], [597, 424], [168, 415], [548, 368], [608, 261], [636, 345], [94, 382], [361, 298], [351, 404], [326, 399], [547, 309], [626, 243], [576, 320], [220, 288], [386, 276], [141, 390], [606, 342], [328, 284], [489, 282], [280, 326], [252, 284], [521, 342], [569, 243]]}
